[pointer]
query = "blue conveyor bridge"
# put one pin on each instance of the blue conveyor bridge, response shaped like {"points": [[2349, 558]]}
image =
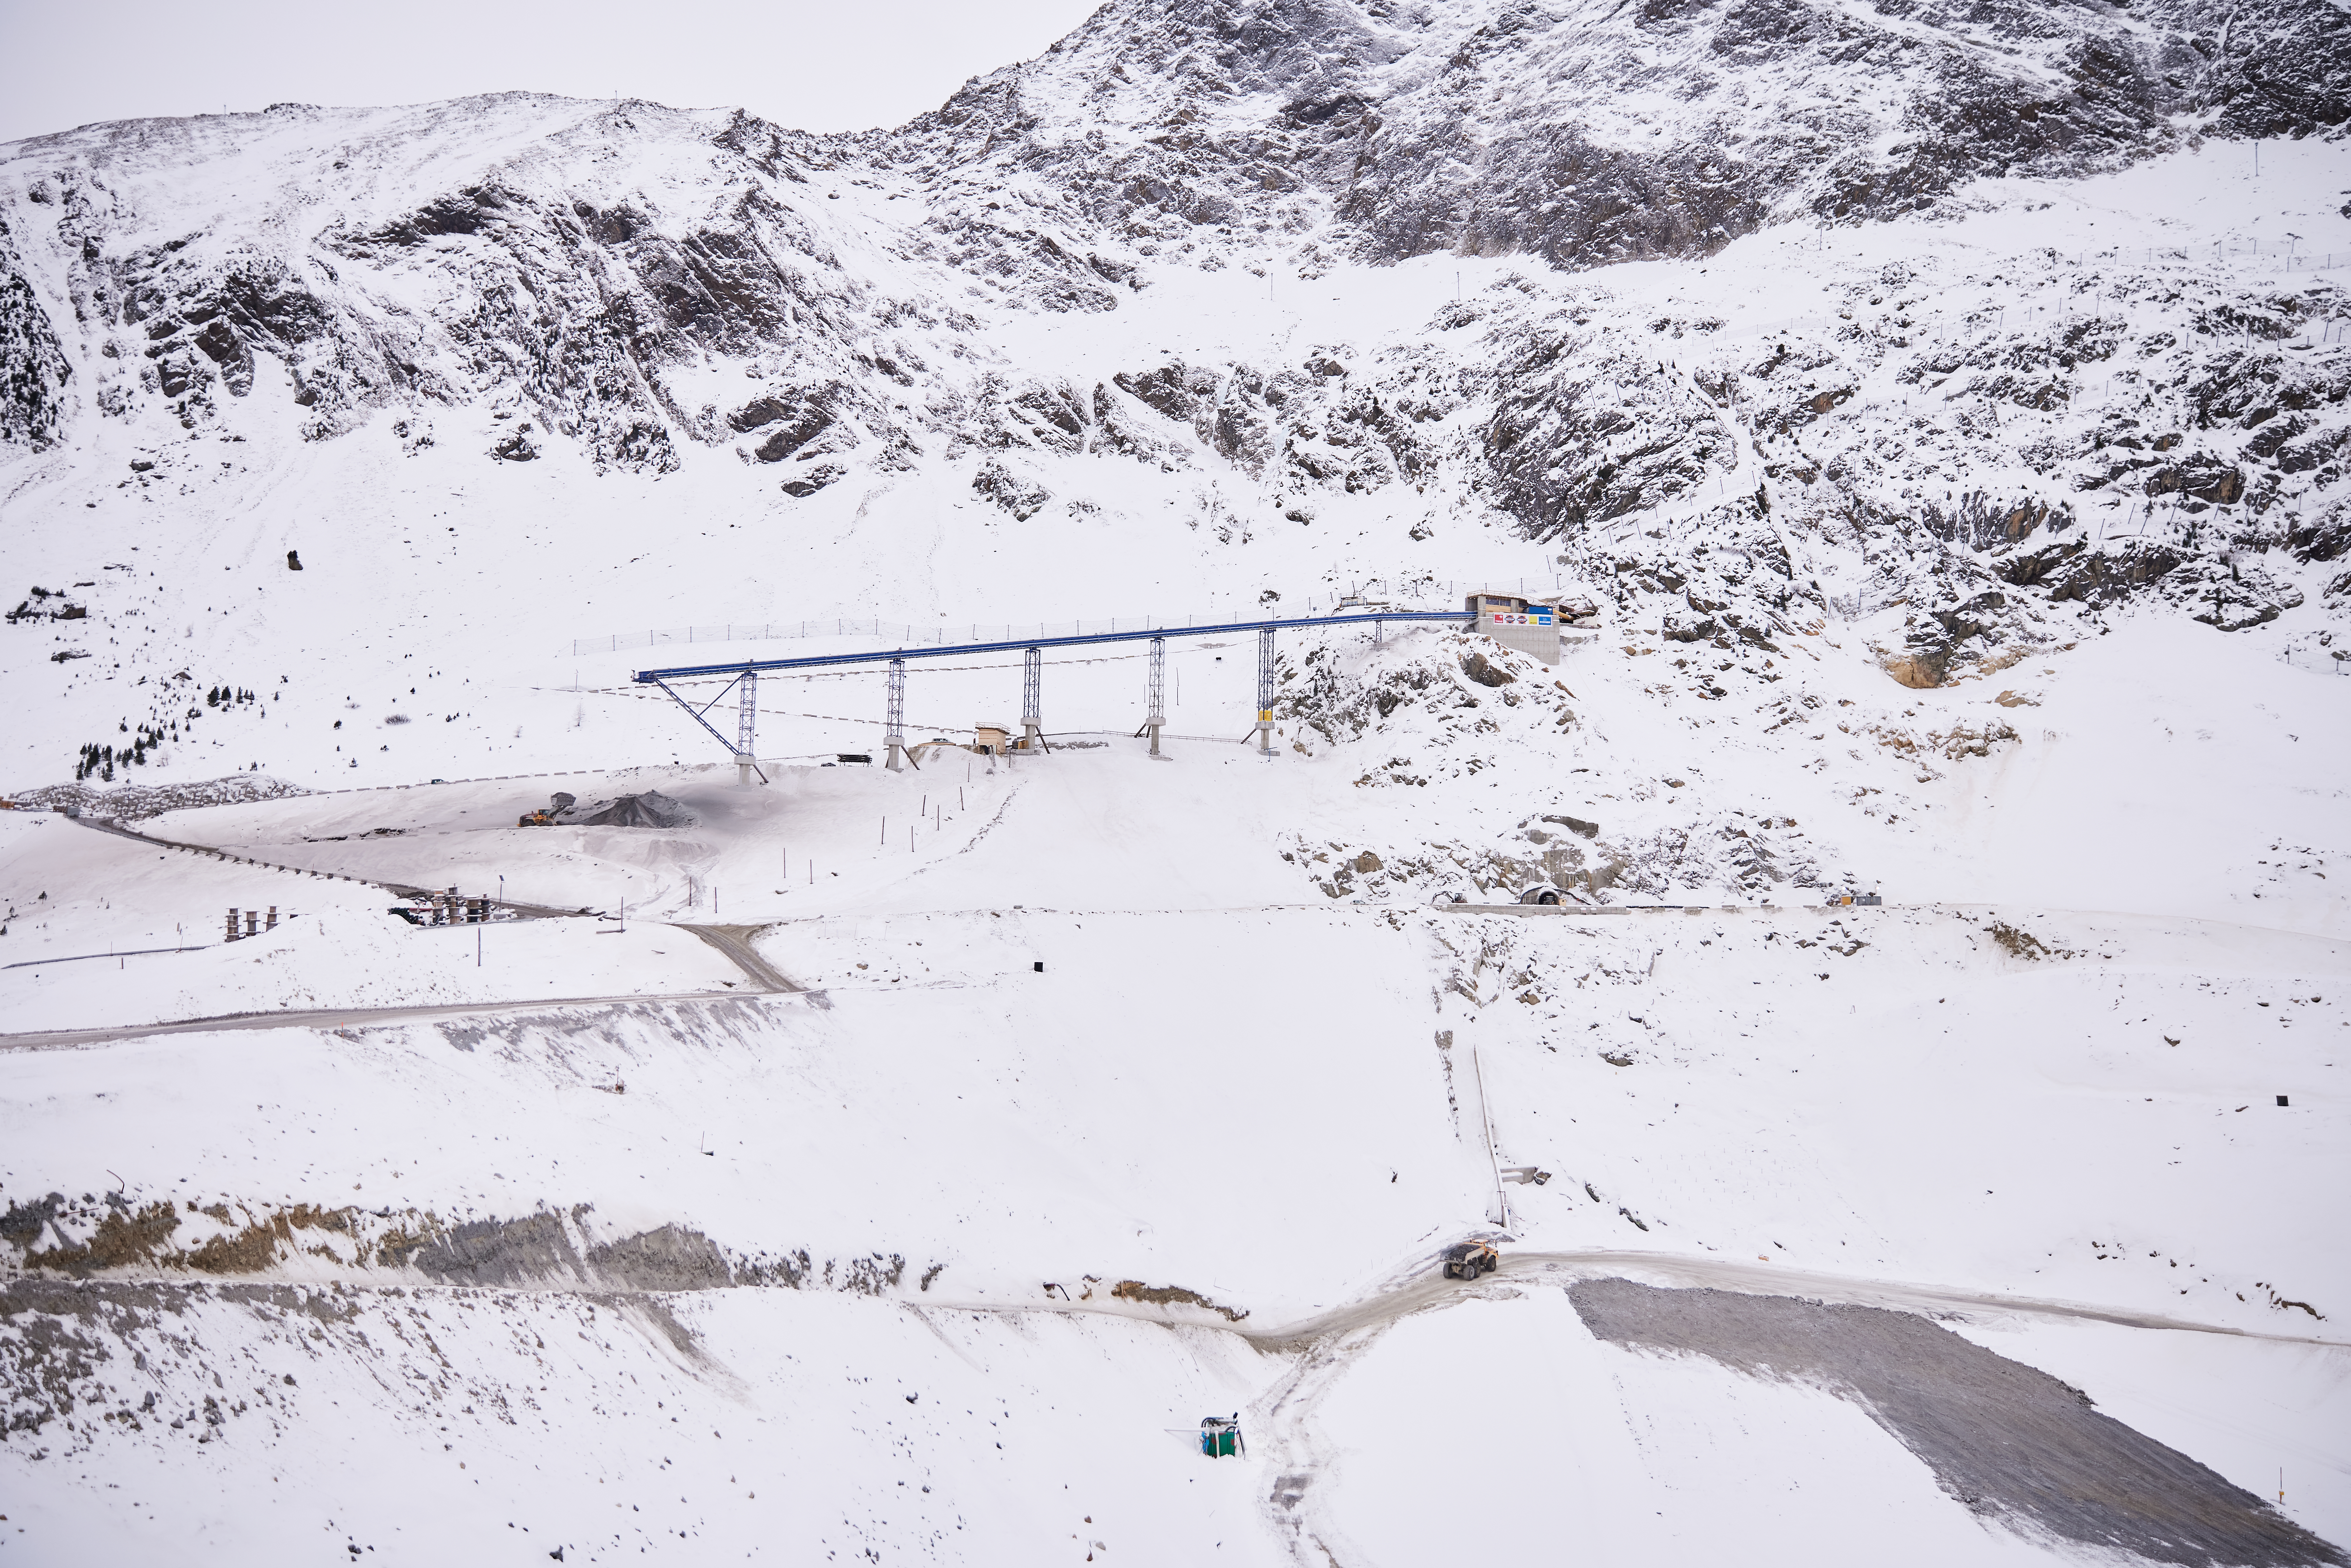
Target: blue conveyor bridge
{"points": [[745, 677]]}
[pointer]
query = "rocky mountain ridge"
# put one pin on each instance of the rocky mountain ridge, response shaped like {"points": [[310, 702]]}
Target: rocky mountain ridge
{"points": [[1839, 425], [1587, 134]]}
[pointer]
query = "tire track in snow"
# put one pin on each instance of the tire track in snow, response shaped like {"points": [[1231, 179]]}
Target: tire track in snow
{"points": [[1416, 1295], [373, 1018]]}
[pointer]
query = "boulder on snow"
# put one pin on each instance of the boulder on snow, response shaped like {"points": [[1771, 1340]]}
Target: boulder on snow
{"points": [[1919, 672], [1024, 498], [1486, 672], [516, 445], [2231, 597], [2323, 538], [813, 480]]}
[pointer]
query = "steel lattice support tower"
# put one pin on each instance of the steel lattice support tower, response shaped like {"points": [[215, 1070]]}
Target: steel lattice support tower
{"points": [[746, 719], [1155, 703], [1032, 701], [894, 729], [1265, 691]]}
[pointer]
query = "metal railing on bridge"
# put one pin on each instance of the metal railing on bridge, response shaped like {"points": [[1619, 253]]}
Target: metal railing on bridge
{"points": [[1422, 595]]}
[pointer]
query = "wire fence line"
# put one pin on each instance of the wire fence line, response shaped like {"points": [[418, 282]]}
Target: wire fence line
{"points": [[947, 632], [902, 631]]}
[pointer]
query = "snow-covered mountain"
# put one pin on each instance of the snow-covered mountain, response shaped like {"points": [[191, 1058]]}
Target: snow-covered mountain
{"points": [[981, 297], [347, 450]]}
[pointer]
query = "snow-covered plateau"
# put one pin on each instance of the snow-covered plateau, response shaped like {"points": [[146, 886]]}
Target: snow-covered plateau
{"points": [[871, 1165]]}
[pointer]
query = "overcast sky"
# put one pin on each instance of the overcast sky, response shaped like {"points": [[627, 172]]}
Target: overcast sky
{"points": [[815, 67]]}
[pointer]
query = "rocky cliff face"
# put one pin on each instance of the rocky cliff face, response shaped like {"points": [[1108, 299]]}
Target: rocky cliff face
{"points": [[641, 284], [1593, 133], [460, 253]]}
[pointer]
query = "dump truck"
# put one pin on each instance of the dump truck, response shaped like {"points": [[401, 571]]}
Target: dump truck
{"points": [[1468, 1259]]}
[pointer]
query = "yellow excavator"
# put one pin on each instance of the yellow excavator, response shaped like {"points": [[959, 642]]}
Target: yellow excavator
{"points": [[547, 815]]}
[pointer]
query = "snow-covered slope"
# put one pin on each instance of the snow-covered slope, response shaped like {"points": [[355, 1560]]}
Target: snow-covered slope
{"points": [[944, 1199], [1701, 313]]}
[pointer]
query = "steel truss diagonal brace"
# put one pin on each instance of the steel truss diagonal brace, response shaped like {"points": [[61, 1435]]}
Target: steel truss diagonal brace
{"points": [[695, 714]]}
